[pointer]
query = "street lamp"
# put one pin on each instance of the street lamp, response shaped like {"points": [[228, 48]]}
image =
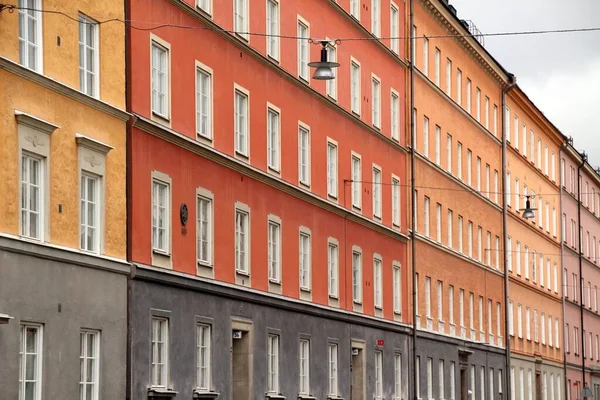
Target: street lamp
{"points": [[528, 211], [324, 70]]}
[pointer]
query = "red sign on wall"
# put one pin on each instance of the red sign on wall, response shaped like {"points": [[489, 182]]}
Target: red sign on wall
{"points": [[379, 342]]}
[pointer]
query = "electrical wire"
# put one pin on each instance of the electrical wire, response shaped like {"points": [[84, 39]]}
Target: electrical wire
{"points": [[11, 8]]}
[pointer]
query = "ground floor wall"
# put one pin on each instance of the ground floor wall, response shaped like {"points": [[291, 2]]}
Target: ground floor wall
{"points": [[535, 378], [241, 323], [53, 296]]}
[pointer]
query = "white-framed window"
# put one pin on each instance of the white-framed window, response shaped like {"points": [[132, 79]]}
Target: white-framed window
{"points": [[438, 156], [517, 194], [89, 64], [376, 101], [516, 134], [303, 53], [332, 83], [469, 167], [241, 19], [397, 376], [426, 215], [478, 104], [304, 154], [375, 17], [305, 259], [459, 160], [459, 87], [304, 387], [524, 138], [519, 321], [160, 352], [32, 195], [438, 61], [488, 251], [487, 180], [553, 171], [426, 56], [274, 252], [90, 213], [357, 276], [426, 136], [30, 34], [273, 363], [30, 362], [546, 158], [356, 181], [448, 77], [273, 138], [203, 356], [378, 374], [397, 282], [204, 102], [438, 222], [451, 305], [378, 280], [449, 153], [355, 86], [241, 121], [333, 370], [461, 307], [470, 239], [498, 312], [204, 229], [428, 297], [205, 5], [413, 44], [495, 120], [509, 255], [487, 113], [539, 153], [161, 212], [497, 248], [511, 321], [395, 115], [242, 241], [532, 146], [527, 324], [440, 301], [161, 76], [394, 28], [333, 268], [273, 29], [478, 171], [469, 95], [332, 169], [496, 186], [518, 257], [376, 192], [460, 234], [355, 9], [89, 359], [395, 201]]}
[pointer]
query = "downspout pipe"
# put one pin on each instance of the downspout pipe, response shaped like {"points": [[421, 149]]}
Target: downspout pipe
{"points": [[413, 146], [580, 257], [512, 82], [562, 258]]}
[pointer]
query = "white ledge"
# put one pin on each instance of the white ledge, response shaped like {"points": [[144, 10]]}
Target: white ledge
{"points": [[35, 122], [92, 144]]}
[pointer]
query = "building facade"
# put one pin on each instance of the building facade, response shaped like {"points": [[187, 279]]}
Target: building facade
{"points": [[580, 230], [458, 241], [267, 210], [63, 270]]}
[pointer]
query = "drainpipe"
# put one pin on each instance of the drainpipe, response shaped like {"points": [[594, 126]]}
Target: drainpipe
{"points": [[512, 82], [413, 201], [562, 261], [579, 250]]}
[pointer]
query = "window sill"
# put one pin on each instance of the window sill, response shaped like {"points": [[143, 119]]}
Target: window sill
{"points": [[202, 394], [163, 253], [305, 289], [243, 273], [161, 119], [306, 397], [331, 397], [275, 281], [357, 302], [334, 296], [242, 155], [205, 264], [274, 396], [161, 393]]}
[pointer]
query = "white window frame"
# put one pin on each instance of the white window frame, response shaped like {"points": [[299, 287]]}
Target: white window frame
{"points": [[376, 100], [303, 51], [204, 196], [397, 291], [304, 166], [331, 87], [205, 6], [355, 9], [394, 28], [378, 281], [332, 168], [333, 267], [241, 127], [39, 354], [86, 360], [158, 184], [395, 114], [378, 374], [305, 258], [449, 77], [203, 71], [86, 66], [396, 201], [241, 19], [242, 239], [37, 41], [86, 203], [273, 138], [304, 367], [438, 67], [357, 275], [273, 29], [377, 195], [355, 86], [203, 356], [155, 381], [376, 17], [165, 48], [274, 241], [356, 171], [273, 363], [333, 387]]}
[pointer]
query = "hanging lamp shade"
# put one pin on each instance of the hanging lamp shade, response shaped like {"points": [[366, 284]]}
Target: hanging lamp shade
{"points": [[324, 68], [528, 211]]}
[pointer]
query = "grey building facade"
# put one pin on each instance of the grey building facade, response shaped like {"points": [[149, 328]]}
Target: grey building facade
{"points": [[64, 311], [241, 324]]}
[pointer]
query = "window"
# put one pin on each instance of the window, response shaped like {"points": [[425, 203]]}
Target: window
{"points": [[553, 169], [460, 234], [469, 158], [480, 319], [160, 80], [531, 146], [469, 95], [511, 329], [495, 120], [30, 35], [448, 77], [241, 241], [459, 87], [517, 195], [478, 180], [478, 104], [497, 248], [461, 309], [479, 244], [241, 124], [430, 378], [470, 239], [397, 376], [333, 370], [495, 186], [539, 153], [205, 5], [509, 256], [304, 367], [376, 102], [450, 217], [204, 229], [518, 257], [204, 103], [89, 360], [438, 156], [487, 180], [394, 30], [438, 222], [395, 115], [527, 324], [557, 337], [304, 155], [498, 311], [30, 366], [357, 277], [451, 305], [332, 169], [355, 87], [274, 252], [441, 378], [355, 9], [89, 213], [546, 161], [160, 216], [273, 29], [32, 196], [397, 289], [273, 140], [519, 321], [440, 312], [543, 326], [487, 112], [203, 349], [378, 374], [88, 56], [377, 272], [438, 56], [332, 83], [488, 251], [426, 56], [516, 128], [376, 193], [375, 17], [459, 160], [426, 136], [395, 201], [333, 269], [240, 18], [303, 55], [273, 364], [526, 262], [428, 297], [160, 352], [426, 215], [305, 261], [449, 153], [356, 182], [507, 188]]}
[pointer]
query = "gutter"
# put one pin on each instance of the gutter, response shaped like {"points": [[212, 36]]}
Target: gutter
{"points": [[512, 84], [562, 260], [580, 257]]}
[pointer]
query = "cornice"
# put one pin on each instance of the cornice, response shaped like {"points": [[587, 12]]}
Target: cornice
{"points": [[248, 170], [533, 357], [458, 341], [468, 42], [218, 30], [461, 110], [61, 88], [535, 289]]}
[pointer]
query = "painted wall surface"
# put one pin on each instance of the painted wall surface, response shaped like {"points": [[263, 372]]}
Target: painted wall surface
{"points": [[189, 171], [552, 372], [185, 307], [60, 39], [73, 118], [65, 298]]}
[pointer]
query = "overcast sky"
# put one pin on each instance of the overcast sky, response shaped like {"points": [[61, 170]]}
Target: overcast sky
{"points": [[560, 72]]}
